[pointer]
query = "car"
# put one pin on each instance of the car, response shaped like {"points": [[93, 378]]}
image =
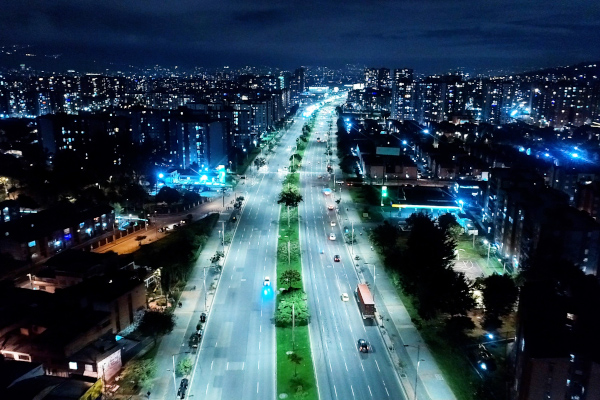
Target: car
{"points": [[203, 317], [345, 297], [330, 207], [182, 388], [332, 236], [332, 223], [363, 346], [336, 258], [267, 281], [484, 359]]}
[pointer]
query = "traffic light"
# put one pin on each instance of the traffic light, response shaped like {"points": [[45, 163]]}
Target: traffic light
{"points": [[384, 191]]}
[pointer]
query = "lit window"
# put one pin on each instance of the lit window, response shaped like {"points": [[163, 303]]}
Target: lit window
{"points": [[72, 365]]}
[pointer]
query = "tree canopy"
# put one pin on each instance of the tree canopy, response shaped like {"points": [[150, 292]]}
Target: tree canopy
{"points": [[290, 277], [155, 323], [168, 195], [291, 197]]}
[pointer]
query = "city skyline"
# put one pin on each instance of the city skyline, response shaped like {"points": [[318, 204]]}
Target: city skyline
{"points": [[429, 36]]}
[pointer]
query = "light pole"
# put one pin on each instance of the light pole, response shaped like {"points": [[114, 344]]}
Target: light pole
{"points": [[485, 241], [30, 280], [418, 346], [223, 222], [352, 241], [174, 381]]}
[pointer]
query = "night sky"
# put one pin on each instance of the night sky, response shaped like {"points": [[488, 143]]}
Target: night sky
{"points": [[427, 35]]}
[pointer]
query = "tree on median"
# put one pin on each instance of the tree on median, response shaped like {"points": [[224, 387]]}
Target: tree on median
{"points": [[290, 277], [290, 197]]}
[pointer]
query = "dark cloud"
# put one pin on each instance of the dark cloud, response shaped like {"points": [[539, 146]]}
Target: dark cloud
{"points": [[425, 34]]}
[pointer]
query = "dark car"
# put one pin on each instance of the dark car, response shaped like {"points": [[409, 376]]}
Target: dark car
{"points": [[363, 346], [203, 317], [337, 258], [484, 359], [182, 388]]}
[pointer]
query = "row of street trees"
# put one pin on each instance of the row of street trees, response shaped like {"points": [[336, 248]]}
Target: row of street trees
{"points": [[424, 264]]}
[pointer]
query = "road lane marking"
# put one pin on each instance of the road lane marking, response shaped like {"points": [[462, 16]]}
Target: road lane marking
{"points": [[351, 388], [206, 392], [376, 363], [211, 364], [335, 390], [346, 366], [257, 383], [227, 368]]}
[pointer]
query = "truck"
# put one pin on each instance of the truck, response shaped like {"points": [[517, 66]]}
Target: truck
{"points": [[365, 301]]}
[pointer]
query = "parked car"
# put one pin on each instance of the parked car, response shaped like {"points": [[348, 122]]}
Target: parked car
{"points": [[182, 388], [345, 297]]}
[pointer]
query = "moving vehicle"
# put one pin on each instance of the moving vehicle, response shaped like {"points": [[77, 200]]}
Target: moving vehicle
{"points": [[345, 297], [332, 236], [332, 223], [267, 281], [363, 346], [337, 258], [366, 304], [330, 207]]}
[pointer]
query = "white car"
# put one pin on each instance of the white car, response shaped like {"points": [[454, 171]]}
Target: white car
{"points": [[345, 297], [330, 207], [332, 236], [267, 281], [332, 223]]}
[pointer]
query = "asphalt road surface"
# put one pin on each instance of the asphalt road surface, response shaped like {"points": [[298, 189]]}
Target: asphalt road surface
{"points": [[336, 326], [237, 354]]}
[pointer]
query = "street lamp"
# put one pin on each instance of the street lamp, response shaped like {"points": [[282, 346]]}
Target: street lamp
{"points": [[489, 244], [418, 347], [30, 280]]}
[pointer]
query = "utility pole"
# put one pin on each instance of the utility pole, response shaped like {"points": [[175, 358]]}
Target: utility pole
{"points": [[293, 327]]}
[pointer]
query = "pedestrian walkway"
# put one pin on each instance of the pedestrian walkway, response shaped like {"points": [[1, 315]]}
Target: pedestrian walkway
{"points": [[196, 299], [406, 347]]}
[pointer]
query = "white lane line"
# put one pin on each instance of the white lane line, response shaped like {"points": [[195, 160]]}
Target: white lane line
{"points": [[331, 369], [243, 364], [206, 392], [370, 390], [335, 390], [346, 366], [388, 393], [227, 367], [376, 363], [351, 388], [257, 383], [260, 328], [361, 365]]}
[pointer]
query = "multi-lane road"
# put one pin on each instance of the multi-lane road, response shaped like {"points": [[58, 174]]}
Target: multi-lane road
{"points": [[336, 326], [236, 359]]}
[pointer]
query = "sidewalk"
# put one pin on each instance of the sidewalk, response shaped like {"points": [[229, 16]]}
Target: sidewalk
{"points": [[175, 346], [394, 322]]}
